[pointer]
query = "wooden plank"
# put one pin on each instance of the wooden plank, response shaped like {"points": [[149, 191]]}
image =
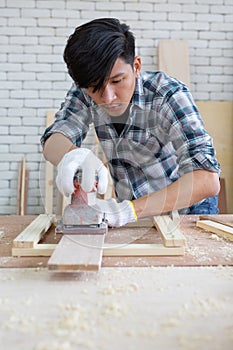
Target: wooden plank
{"points": [[222, 197], [19, 188], [217, 228], [25, 200], [142, 250], [209, 217], [22, 190], [33, 232], [173, 59], [169, 231], [37, 250], [49, 172], [108, 250], [78, 252], [218, 119]]}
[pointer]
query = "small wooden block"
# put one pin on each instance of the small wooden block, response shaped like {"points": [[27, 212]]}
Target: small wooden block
{"points": [[169, 231], [78, 252], [217, 228], [29, 237]]}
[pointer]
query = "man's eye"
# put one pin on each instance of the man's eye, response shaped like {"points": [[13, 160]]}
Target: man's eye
{"points": [[116, 81]]}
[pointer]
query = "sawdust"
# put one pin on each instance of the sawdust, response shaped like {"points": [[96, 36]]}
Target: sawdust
{"points": [[115, 309], [207, 254], [215, 237], [111, 290], [193, 342], [97, 311], [53, 345], [147, 333]]}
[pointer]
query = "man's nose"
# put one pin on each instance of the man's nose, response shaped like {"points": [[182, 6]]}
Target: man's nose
{"points": [[108, 94]]}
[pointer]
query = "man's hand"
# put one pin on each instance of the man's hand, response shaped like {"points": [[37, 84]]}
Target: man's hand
{"points": [[117, 214], [85, 160]]}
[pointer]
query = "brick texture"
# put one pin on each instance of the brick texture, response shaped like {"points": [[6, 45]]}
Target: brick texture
{"points": [[33, 76]]}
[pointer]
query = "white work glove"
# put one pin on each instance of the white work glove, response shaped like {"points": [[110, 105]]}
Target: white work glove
{"points": [[117, 214], [84, 159]]}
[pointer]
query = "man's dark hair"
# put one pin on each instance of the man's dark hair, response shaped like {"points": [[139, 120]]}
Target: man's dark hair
{"points": [[92, 50]]}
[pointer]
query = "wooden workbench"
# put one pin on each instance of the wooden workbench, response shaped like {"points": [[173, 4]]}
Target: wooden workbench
{"points": [[201, 250], [157, 303]]}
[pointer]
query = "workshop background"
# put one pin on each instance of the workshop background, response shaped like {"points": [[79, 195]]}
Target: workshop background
{"points": [[33, 76]]}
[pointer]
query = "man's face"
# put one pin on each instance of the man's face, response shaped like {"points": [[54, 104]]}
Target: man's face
{"points": [[116, 94]]}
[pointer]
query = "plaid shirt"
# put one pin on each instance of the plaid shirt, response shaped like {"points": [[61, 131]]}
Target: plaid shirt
{"points": [[163, 138]]}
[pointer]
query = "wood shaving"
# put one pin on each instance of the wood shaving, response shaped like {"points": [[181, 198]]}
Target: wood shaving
{"points": [[215, 237]]}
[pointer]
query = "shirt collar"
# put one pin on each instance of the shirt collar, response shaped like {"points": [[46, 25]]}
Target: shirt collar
{"points": [[138, 96]]}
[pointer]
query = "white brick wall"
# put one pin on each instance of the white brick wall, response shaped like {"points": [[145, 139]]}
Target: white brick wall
{"points": [[33, 76]]}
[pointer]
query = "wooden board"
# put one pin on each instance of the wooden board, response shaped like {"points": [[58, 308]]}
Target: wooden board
{"points": [[142, 250], [109, 250], [173, 59], [78, 252], [210, 217], [31, 235], [169, 231], [49, 172], [218, 119], [22, 191], [217, 228]]}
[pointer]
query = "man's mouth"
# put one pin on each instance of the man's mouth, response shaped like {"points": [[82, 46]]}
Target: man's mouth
{"points": [[112, 107]]}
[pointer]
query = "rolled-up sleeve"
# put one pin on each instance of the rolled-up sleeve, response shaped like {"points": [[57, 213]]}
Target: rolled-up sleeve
{"points": [[185, 129]]}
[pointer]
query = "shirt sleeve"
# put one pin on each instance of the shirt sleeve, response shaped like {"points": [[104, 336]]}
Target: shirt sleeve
{"points": [[73, 118], [185, 129]]}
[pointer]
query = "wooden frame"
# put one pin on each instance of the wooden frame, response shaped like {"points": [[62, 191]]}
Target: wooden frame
{"points": [[27, 242]]}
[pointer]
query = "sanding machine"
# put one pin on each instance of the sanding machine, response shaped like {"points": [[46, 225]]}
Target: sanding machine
{"points": [[80, 216]]}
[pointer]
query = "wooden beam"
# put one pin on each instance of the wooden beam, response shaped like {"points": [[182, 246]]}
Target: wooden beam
{"points": [[217, 228], [211, 218], [221, 130], [49, 172], [169, 231], [142, 250], [108, 250], [37, 250], [32, 234], [22, 191]]}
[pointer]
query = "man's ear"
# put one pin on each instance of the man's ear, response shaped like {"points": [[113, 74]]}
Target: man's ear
{"points": [[137, 65]]}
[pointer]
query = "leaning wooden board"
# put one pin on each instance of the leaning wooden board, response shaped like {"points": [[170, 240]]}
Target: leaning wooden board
{"points": [[221, 129]]}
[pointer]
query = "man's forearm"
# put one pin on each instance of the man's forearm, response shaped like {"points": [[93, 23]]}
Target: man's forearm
{"points": [[56, 146], [189, 189]]}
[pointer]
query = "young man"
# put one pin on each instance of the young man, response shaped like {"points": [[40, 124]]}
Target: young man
{"points": [[159, 154]]}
